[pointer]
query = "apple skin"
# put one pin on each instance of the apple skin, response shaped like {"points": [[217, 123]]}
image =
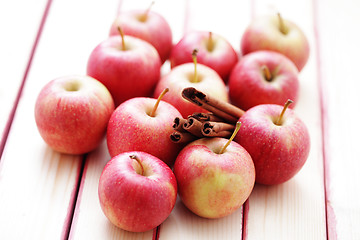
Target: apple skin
{"points": [[264, 34], [139, 131], [278, 151], [222, 58], [72, 113], [127, 74], [214, 185], [154, 30], [181, 77], [136, 202], [248, 86]]}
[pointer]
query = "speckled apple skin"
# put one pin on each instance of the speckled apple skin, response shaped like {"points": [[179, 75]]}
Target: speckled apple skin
{"points": [[278, 151], [127, 74], [248, 86], [222, 58], [134, 202], [73, 122], [214, 185], [180, 77], [264, 34], [131, 128], [155, 30]]}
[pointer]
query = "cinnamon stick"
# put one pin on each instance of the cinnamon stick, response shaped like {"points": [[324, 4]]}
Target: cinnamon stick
{"points": [[223, 134], [206, 117], [220, 108], [193, 126], [181, 137], [178, 124], [212, 128]]}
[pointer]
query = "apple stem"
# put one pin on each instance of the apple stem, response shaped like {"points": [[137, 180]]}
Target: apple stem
{"points": [[146, 13], [152, 114], [282, 26], [266, 72], [210, 43], [194, 57], [237, 128], [138, 161], [122, 38], [288, 102]]}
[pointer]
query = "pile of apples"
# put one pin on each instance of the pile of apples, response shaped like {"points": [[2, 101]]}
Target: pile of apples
{"points": [[125, 98]]}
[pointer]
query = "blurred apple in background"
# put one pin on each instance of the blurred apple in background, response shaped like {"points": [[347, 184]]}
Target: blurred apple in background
{"points": [[276, 34], [72, 113], [214, 51], [194, 75], [129, 67], [148, 26], [263, 77], [277, 140], [137, 191], [144, 124], [215, 176]]}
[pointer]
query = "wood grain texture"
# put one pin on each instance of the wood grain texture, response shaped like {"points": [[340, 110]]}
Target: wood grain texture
{"points": [[339, 50], [295, 209], [16, 45], [38, 186]]}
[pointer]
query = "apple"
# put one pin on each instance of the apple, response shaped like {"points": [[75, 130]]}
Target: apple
{"points": [[277, 140], [214, 51], [148, 26], [137, 191], [215, 176], [276, 34], [129, 67], [144, 124], [194, 75], [72, 112], [263, 77]]}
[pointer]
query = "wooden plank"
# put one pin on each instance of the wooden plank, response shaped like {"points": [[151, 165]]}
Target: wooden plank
{"points": [[16, 45], [89, 221], [38, 186], [295, 209], [339, 51], [229, 19]]}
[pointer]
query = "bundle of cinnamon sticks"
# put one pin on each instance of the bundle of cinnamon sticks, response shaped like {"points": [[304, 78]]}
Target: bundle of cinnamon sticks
{"points": [[219, 121]]}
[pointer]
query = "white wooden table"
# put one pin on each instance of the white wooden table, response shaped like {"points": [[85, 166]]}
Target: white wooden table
{"points": [[47, 195]]}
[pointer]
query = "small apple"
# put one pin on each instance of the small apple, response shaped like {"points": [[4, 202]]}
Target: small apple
{"points": [[278, 142], [129, 67], [144, 124], [263, 77], [277, 34], [72, 113], [194, 75], [137, 191], [148, 26], [214, 51], [215, 176]]}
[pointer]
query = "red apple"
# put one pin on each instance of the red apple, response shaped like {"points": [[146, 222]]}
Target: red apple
{"points": [[137, 191], [214, 179], [276, 34], [139, 124], [72, 113], [263, 77], [194, 75], [147, 25], [277, 141], [129, 67], [214, 51]]}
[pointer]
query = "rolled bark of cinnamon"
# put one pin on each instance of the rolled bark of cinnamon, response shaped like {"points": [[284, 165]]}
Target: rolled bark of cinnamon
{"points": [[181, 137], [212, 128], [178, 124], [193, 126], [220, 108], [206, 117]]}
